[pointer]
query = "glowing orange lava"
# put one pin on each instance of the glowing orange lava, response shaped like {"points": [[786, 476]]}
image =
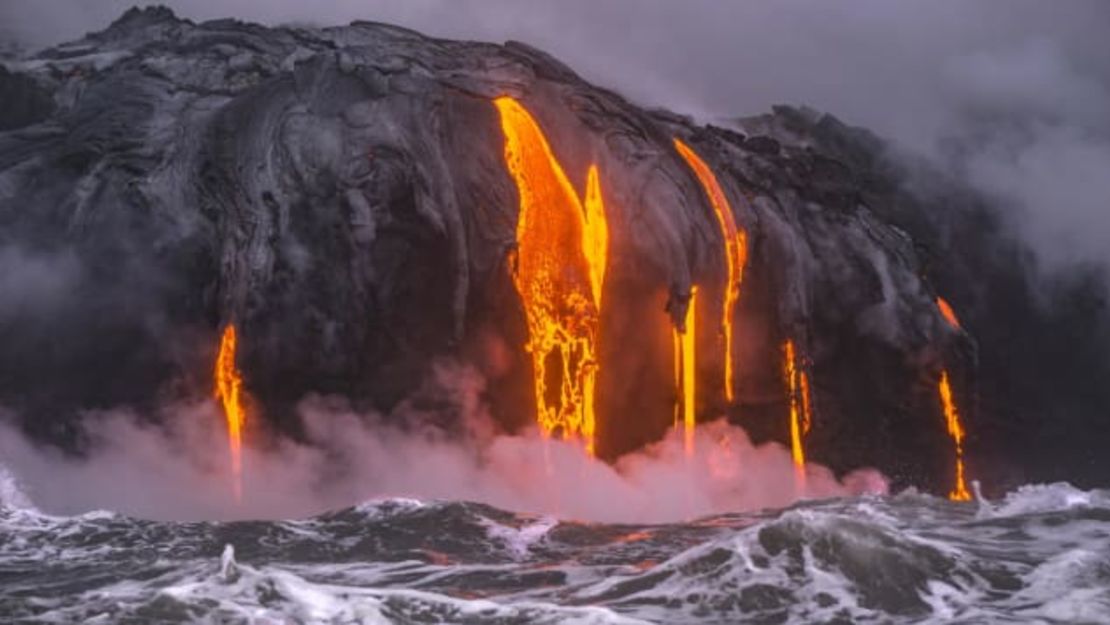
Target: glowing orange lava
{"points": [[949, 314], [595, 235], [559, 273], [807, 408], [228, 390], [956, 431], [798, 391], [684, 372], [736, 250]]}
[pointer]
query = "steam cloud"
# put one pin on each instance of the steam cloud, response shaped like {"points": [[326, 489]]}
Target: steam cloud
{"points": [[179, 469]]}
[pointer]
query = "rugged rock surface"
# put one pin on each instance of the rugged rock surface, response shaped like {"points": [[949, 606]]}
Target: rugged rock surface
{"points": [[340, 193]]}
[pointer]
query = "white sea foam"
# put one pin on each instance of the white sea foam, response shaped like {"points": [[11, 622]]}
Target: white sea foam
{"points": [[519, 540], [1049, 497]]}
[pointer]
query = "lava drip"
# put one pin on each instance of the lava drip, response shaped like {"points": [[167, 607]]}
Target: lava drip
{"points": [[735, 248], [559, 272], [228, 391], [951, 414], [684, 372], [797, 384]]}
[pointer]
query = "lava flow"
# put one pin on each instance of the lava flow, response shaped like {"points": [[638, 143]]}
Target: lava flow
{"points": [[797, 385], [684, 372], [736, 250], [559, 272], [956, 431], [228, 389], [952, 415]]}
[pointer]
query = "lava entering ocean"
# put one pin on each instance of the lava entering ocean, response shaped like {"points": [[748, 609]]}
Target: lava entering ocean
{"points": [[228, 391], [797, 384], [559, 272], [956, 431], [951, 413], [735, 247]]}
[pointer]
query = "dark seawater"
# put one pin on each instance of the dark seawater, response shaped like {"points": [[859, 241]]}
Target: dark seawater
{"points": [[1041, 555]]}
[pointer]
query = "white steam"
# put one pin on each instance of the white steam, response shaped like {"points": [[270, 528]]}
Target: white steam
{"points": [[179, 470]]}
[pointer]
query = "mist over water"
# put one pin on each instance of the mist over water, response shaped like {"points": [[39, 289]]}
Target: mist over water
{"points": [[179, 469]]}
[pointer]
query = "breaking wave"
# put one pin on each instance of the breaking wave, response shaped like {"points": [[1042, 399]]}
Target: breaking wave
{"points": [[1042, 554]]}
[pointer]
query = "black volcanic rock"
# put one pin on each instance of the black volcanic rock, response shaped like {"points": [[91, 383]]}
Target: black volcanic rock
{"points": [[340, 193]]}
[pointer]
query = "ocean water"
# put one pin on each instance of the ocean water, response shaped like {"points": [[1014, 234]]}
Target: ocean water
{"points": [[1040, 555]]}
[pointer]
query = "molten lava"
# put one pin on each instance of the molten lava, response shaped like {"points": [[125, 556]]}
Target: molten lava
{"points": [[807, 408], [684, 373], [951, 414], [595, 235], [736, 250], [949, 314], [559, 273], [228, 391], [956, 431], [798, 393]]}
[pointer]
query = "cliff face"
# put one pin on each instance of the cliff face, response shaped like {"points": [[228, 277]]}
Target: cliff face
{"points": [[341, 194]]}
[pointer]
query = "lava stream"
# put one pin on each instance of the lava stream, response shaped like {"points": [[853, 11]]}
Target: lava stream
{"points": [[559, 273], [228, 390], [956, 431], [736, 250], [797, 385], [684, 373], [951, 414], [595, 235]]}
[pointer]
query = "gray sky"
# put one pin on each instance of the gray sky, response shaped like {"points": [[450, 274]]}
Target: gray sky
{"points": [[1023, 87]]}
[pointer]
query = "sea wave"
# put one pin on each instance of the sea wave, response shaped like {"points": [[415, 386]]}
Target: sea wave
{"points": [[1040, 554]]}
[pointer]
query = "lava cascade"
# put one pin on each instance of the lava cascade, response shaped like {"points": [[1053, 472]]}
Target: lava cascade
{"points": [[951, 413], [956, 431], [797, 385], [735, 248], [228, 391], [558, 271], [685, 356]]}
